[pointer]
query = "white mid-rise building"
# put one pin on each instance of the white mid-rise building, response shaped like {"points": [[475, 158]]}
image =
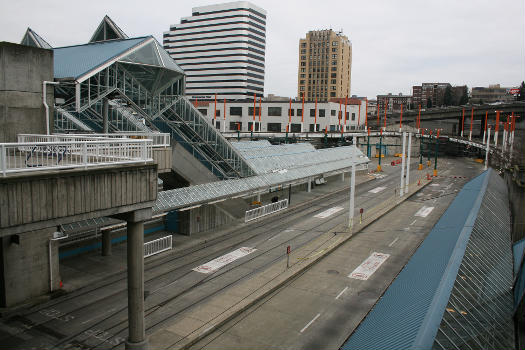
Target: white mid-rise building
{"points": [[280, 116], [221, 49]]}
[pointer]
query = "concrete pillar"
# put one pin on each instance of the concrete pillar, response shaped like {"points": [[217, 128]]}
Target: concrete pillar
{"points": [[343, 177], [106, 242], [135, 255], [487, 151], [407, 179], [258, 197], [352, 195], [309, 185], [105, 115], [137, 335], [402, 187]]}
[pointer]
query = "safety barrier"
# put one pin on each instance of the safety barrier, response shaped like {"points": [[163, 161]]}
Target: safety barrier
{"points": [[158, 246], [158, 139], [265, 210], [35, 156]]}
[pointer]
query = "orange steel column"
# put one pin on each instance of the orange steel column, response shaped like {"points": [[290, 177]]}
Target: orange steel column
{"points": [[215, 110], [462, 121], [340, 114], [359, 114], [386, 106], [346, 103], [471, 119], [260, 109], [366, 114], [224, 116], [302, 118], [401, 118], [290, 114], [418, 123], [254, 106]]}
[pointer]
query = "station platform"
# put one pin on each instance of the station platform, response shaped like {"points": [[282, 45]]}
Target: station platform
{"points": [[91, 267]]}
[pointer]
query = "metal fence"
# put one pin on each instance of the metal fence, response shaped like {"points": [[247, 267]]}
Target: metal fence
{"points": [[34, 156], [265, 210], [157, 139], [158, 245]]}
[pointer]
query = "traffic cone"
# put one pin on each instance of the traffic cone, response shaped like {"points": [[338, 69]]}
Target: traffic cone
{"points": [[61, 284]]}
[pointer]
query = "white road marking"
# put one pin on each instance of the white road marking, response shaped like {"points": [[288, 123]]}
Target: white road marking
{"points": [[424, 211], [215, 264], [377, 189], [310, 323], [369, 266], [328, 212], [393, 242], [341, 293], [413, 222], [207, 329], [434, 184]]}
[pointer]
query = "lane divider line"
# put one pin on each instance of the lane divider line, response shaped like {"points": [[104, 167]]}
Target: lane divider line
{"points": [[341, 293], [310, 323]]}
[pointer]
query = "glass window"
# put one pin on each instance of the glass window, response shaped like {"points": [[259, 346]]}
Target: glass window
{"points": [[299, 111], [250, 126], [332, 94], [235, 126], [250, 111], [301, 88], [203, 111], [334, 62], [218, 112], [218, 124], [312, 112], [275, 112], [353, 116], [290, 112], [322, 113], [335, 43], [236, 111], [332, 112], [333, 75], [274, 127]]}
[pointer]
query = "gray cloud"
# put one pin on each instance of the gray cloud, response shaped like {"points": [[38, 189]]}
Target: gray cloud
{"points": [[396, 43]]}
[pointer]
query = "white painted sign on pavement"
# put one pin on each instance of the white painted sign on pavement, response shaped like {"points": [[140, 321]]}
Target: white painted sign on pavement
{"points": [[328, 212], [377, 189], [215, 264], [369, 266], [424, 211]]}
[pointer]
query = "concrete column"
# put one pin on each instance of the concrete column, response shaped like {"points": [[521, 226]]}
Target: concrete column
{"points": [[487, 150], [258, 197], [407, 180], [137, 336], [309, 185], [352, 196], [343, 177], [402, 187], [135, 255], [106, 242], [105, 115]]}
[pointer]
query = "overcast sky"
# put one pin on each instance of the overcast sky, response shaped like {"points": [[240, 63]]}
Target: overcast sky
{"points": [[396, 43]]}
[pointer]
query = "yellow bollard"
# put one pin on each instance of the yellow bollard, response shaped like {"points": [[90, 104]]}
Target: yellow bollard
{"points": [[379, 167], [435, 172], [420, 167]]}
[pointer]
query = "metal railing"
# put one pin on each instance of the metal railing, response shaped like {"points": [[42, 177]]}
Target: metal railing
{"points": [[37, 156], [158, 246], [265, 210], [158, 139]]}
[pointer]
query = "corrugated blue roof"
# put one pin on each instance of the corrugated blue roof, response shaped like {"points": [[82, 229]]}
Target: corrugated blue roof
{"points": [[75, 61], [410, 312]]}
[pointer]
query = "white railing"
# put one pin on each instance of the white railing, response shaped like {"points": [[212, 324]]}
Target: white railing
{"points": [[35, 156], [265, 210], [158, 245], [158, 139]]}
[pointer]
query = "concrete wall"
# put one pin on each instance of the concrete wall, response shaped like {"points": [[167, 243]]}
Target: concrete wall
{"points": [[50, 198], [517, 207], [163, 158], [203, 218], [190, 168], [22, 71], [24, 267]]}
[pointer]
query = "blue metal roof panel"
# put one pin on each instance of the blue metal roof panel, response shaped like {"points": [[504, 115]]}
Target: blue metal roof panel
{"points": [[410, 311], [75, 61], [518, 250]]}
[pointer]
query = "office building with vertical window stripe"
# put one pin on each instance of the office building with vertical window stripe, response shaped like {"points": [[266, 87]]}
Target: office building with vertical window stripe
{"points": [[221, 49]]}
